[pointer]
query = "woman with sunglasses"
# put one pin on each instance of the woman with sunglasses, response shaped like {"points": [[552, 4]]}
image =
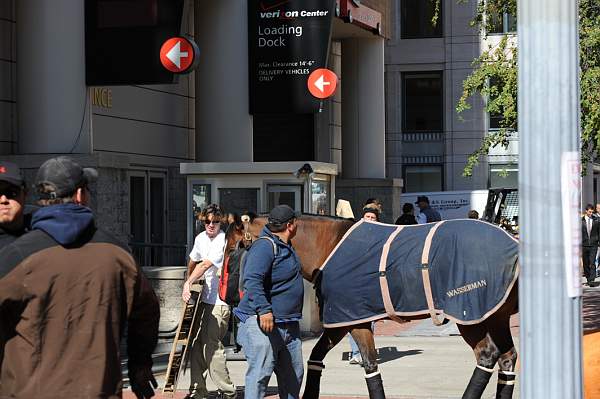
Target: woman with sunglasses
{"points": [[207, 352]]}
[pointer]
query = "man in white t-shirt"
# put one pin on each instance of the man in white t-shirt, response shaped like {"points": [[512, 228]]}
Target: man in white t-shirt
{"points": [[212, 319]]}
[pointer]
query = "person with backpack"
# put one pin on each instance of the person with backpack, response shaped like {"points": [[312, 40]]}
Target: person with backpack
{"points": [[212, 317], [271, 308]]}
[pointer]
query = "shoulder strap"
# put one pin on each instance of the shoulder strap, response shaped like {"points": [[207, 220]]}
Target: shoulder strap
{"points": [[275, 249]]}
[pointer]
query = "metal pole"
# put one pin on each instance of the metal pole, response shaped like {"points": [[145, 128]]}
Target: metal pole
{"points": [[550, 335]]}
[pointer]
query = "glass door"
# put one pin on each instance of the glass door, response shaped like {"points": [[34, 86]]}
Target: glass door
{"points": [[279, 194], [147, 217]]}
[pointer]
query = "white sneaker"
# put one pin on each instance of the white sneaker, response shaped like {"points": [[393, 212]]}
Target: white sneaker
{"points": [[356, 359]]}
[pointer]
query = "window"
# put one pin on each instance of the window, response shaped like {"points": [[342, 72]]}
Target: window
{"points": [[200, 200], [238, 200], [319, 197], [419, 178], [504, 176], [496, 119], [502, 23], [285, 194], [423, 102], [417, 18]]}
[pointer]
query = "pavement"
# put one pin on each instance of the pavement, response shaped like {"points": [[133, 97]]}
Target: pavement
{"points": [[417, 360]]}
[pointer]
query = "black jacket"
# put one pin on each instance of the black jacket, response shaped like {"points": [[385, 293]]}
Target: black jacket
{"points": [[406, 218], [593, 240], [7, 237]]}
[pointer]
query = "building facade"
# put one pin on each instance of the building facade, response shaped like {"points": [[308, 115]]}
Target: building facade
{"points": [[427, 141], [138, 135]]}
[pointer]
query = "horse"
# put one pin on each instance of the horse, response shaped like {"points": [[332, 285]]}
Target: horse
{"points": [[490, 339]]}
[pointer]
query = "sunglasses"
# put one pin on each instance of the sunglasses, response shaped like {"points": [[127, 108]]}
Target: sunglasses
{"points": [[10, 193], [213, 222]]}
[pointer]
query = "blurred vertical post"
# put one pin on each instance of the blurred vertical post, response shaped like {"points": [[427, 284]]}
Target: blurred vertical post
{"points": [[549, 288]]}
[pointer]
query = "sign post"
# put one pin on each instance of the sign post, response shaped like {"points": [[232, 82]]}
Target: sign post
{"points": [[549, 293]]}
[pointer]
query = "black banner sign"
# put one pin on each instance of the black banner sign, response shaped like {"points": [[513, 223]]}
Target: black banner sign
{"points": [[287, 41]]}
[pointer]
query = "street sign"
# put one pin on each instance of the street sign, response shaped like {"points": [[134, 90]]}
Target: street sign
{"points": [[287, 41], [179, 55], [322, 83]]}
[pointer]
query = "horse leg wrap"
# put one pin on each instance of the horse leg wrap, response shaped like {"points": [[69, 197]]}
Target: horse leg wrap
{"points": [[506, 384], [375, 385], [479, 380], [313, 379]]}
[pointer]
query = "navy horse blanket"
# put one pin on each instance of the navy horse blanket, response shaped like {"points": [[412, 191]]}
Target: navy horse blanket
{"points": [[461, 270]]}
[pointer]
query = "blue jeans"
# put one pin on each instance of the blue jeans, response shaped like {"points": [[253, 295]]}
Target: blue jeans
{"points": [[353, 345], [279, 351]]}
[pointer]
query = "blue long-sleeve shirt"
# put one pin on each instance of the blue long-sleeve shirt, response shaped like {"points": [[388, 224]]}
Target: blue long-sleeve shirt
{"points": [[272, 283]]}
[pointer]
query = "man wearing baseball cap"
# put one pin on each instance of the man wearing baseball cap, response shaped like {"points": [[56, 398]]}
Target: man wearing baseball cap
{"points": [[271, 309], [70, 289], [12, 203], [427, 214]]}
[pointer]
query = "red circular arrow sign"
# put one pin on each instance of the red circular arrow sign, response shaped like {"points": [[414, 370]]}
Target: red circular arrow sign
{"points": [[179, 55], [322, 83]]}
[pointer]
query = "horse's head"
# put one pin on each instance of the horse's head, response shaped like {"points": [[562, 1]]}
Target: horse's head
{"points": [[315, 239], [243, 229]]}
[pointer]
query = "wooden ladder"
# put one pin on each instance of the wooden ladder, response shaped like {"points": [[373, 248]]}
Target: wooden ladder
{"points": [[183, 339]]}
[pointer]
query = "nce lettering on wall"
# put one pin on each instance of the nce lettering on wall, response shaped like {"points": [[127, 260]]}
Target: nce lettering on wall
{"points": [[287, 41]]}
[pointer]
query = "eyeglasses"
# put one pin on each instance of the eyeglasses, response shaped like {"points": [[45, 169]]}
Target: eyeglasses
{"points": [[213, 222], [10, 193]]}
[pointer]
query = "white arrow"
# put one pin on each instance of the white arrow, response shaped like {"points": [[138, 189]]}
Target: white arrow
{"points": [[321, 83], [175, 54]]}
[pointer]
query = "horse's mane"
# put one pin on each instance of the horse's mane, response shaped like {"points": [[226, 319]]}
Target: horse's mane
{"points": [[306, 216], [309, 215]]}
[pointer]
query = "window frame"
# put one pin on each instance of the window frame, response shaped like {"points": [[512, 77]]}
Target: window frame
{"points": [[405, 36], [406, 166], [404, 102], [505, 25]]}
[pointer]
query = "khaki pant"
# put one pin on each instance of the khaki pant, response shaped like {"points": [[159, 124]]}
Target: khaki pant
{"points": [[207, 352]]}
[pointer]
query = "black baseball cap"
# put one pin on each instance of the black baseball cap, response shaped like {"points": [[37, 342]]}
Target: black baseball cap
{"points": [[10, 173], [63, 176], [282, 214], [422, 198]]}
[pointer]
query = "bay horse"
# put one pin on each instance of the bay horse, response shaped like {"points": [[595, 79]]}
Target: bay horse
{"points": [[490, 340]]}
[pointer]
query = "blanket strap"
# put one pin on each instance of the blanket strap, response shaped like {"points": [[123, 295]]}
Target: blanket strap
{"points": [[385, 289], [437, 319]]}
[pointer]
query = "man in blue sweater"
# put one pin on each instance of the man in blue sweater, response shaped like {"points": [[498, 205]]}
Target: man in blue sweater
{"points": [[271, 309]]}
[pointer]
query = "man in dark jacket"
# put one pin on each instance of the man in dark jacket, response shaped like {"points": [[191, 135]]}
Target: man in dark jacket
{"points": [[12, 203], [427, 214], [590, 237], [271, 309], [408, 215], [67, 292]]}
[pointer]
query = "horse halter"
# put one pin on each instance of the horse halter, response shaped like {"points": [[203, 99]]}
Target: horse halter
{"points": [[247, 238]]}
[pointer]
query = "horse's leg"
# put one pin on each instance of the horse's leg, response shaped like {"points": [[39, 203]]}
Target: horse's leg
{"points": [[486, 354], [330, 338], [363, 336], [499, 331]]}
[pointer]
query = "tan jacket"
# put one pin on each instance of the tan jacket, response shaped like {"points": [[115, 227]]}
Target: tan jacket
{"points": [[63, 311]]}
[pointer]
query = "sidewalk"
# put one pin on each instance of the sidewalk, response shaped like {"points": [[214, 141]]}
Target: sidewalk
{"points": [[413, 365]]}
